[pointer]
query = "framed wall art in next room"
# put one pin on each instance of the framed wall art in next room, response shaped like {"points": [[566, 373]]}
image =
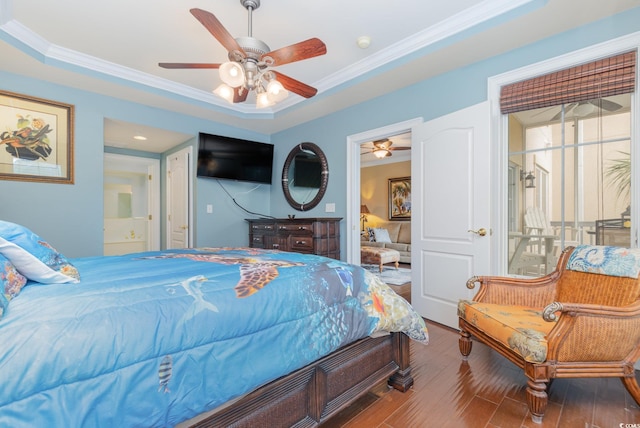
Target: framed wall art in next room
{"points": [[400, 198]]}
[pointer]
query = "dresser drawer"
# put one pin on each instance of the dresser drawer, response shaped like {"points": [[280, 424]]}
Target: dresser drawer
{"points": [[296, 227], [257, 241], [301, 243], [257, 227]]}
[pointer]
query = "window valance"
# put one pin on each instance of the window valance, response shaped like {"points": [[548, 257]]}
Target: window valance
{"points": [[598, 79]]}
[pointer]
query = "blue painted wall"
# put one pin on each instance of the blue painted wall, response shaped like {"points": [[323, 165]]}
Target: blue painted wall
{"points": [[70, 216], [429, 99]]}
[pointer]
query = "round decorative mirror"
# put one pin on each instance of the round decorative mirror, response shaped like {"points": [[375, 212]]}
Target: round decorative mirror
{"points": [[305, 176]]}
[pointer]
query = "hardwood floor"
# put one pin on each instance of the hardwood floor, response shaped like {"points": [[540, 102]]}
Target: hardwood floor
{"points": [[487, 391]]}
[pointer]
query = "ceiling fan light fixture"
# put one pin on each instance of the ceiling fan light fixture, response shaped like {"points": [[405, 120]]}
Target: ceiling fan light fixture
{"points": [[263, 100], [232, 74], [276, 92], [381, 153], [224, 91]]}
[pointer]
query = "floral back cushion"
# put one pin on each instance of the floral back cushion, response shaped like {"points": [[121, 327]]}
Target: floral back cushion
{"points": [[605, 260]]}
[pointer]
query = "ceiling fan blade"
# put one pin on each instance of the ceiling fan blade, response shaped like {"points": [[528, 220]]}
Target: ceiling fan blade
{"points": [[567, 109], [385, 143], [605, 104], [400, 148], [297, 52], [186, 65], [240, 94], [293, 85], [543, 111], [217, 30]]}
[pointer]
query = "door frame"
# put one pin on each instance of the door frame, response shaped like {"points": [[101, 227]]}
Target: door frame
{"points": [[499, 135], [353, 180]]}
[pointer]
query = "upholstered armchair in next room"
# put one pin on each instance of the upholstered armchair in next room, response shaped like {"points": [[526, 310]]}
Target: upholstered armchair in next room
{"points": [[581, 320]]}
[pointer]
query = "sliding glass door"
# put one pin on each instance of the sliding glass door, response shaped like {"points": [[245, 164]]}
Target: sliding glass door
{"points": [[570, 180]]}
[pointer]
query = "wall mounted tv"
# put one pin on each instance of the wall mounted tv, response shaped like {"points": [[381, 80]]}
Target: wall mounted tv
{"points": [[234, 159]]}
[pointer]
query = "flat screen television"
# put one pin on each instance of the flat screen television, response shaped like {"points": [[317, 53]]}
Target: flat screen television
{"points": [[234, 159]]}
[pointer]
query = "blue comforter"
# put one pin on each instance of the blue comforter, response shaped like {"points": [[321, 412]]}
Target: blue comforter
{"points": [[152, 339]]}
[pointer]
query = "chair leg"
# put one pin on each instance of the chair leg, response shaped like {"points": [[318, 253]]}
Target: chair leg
{"points": [[631, 384], [465, 343], [537, 400]]}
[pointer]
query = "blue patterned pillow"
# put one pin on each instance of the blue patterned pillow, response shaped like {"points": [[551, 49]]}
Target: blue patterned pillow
{"points": [[606, 260], [11, 282], [33, 257], [371, 235]]}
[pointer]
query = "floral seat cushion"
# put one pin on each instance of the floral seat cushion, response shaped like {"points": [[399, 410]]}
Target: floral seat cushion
{"points": [[520, 328]]}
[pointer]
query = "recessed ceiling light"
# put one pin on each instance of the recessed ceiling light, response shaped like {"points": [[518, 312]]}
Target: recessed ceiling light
{"points": [[139, 137]]}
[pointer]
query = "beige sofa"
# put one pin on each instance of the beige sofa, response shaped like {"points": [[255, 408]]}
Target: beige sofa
{"points": [[400, 236]]}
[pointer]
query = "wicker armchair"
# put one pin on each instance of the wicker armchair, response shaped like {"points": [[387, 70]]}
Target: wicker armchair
{"points": [[573, 322]]}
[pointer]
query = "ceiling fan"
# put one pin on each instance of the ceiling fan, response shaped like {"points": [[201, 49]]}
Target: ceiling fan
{"points": [[382, 148], [250, 62], [584, 108], [581, 108]]}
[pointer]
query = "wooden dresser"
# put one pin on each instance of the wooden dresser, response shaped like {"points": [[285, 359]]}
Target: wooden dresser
{"points": [[319, 236]]}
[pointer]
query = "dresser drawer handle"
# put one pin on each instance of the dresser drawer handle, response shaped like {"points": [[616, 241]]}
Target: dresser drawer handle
{"points": [[301, 242], [302, 228], [276, 245]]}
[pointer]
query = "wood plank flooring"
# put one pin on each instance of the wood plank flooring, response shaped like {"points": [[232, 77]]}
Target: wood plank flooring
{"points": [[487, 391]]}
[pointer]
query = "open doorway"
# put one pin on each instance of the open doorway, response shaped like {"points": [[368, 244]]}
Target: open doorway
{"points": [[136, 177], [357, 144], [385, 195], [131, 204]]}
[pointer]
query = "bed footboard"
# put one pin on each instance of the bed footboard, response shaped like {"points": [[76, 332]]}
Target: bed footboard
{"points": [[314, 393]]}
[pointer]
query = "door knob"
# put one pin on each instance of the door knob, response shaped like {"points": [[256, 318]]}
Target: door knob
{"points": [[482, 231]]}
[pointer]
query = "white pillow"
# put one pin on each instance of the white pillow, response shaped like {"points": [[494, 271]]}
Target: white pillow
{"points": [[382, 235], [33, 257]]}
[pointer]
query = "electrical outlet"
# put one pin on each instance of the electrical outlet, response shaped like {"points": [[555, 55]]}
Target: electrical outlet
{"points": [[330, 208]]}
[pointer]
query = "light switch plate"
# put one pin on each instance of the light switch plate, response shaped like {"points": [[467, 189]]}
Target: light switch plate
{"points": [[209, 208]]}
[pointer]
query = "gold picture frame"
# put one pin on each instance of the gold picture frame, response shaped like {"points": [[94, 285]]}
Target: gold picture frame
{"points": [[36, 139], [400, 198]]}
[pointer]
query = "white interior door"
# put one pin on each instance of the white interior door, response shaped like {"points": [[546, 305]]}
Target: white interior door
{"points": [[451, 177], [178, 200]]}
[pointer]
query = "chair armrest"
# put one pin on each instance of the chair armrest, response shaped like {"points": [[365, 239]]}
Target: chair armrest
{"points": [[586, 332], [550, 312], [534, 292]]}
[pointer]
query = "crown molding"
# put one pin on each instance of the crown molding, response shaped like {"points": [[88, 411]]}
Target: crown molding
{"points": [[33, 44]]}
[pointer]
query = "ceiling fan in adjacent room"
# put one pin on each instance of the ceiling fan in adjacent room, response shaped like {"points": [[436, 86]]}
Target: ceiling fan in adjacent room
{"points": [[382, 148], [250, 63], [578, 109], [585, 108]]}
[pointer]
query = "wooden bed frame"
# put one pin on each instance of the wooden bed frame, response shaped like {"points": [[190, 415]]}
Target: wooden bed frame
{"points": [[314, 393]]}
